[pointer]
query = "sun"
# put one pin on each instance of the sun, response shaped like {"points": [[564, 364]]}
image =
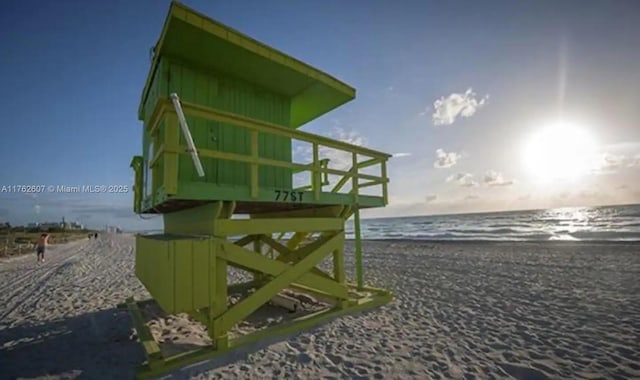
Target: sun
{"points": [[560, 151]]}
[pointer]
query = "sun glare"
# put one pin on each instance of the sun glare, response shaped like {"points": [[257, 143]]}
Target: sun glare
{"points": [[560, 151]]}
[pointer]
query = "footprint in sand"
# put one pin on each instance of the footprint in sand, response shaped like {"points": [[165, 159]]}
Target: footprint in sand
{"points": [[334, 359], [523, 372], [304, 358]]}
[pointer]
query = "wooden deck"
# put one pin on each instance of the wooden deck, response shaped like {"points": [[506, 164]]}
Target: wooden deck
{"points": [[257, 207]]}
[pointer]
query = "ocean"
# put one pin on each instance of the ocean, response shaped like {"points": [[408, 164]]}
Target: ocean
{"points": [[606, 223]]}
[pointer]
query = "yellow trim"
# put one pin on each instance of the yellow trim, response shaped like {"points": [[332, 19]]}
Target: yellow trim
{"points": [[265, 127], [156, 156], [271, 162], [317, 167]]}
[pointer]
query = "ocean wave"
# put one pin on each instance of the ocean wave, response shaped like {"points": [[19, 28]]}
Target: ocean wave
{"points": [[629, 214], [564, 237], [618, 223], [486, 230]]}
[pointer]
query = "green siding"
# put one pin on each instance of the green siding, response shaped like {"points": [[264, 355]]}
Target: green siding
{"points": [[146, 173], [215, 90], [205, 43], [157, 88], [154, 268], [176, 271]]}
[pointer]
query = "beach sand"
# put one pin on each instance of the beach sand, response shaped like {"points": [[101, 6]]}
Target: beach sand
{"points": [[461, 310]]}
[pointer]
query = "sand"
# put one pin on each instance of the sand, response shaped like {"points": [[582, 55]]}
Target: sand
{"points": [[461, 310]]}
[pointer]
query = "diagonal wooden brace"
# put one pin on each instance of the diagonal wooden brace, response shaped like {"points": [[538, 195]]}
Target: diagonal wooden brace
{"points": [[288, 255], [253, 262], [317, 251]]}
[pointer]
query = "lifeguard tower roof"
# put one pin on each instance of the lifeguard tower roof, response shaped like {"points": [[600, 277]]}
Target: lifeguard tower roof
{"points": [[200, 41]]}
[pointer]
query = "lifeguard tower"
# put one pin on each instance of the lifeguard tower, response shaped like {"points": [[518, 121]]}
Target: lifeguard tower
{"points": [[221, 113]]}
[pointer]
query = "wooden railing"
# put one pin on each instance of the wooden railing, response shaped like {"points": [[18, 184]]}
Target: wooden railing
{"points": [[318, 168]]}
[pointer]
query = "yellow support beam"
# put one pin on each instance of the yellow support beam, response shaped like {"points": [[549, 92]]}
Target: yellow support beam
{"points": [[278, 163], [251, 261], [156, 155], [385, 193], [267, 226], [244, 308]]}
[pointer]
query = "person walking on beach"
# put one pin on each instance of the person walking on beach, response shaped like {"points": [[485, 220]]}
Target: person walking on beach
{"points": [[43, 241]]}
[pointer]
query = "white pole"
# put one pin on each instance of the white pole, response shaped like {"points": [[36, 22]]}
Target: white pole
{"points": [[187, 135]]}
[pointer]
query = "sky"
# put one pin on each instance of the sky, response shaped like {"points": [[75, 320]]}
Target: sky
{"points": [[487, 106]]}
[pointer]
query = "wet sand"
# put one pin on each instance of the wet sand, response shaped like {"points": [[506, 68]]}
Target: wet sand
{"points": [[461, 311]]}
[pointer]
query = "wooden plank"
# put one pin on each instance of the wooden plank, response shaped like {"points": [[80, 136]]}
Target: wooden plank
{"points": [[248, 305], [151, 348], [254, 262], [266, 226]]}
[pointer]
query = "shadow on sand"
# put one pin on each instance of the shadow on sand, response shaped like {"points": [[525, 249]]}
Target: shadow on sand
{"points": [[95, 345]]}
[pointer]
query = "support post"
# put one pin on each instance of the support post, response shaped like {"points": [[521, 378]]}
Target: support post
{"points": [[315, 174], [258, 278], [356, 223], [218, 299], [383, 174], [338, 271]]}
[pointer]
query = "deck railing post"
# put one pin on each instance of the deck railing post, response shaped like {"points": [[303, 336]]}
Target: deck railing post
{"points": [[356, 220], [383, 174], [315, 174]]}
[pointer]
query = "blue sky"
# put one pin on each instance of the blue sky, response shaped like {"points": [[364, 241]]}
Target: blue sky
{"points": [[72, 73]]}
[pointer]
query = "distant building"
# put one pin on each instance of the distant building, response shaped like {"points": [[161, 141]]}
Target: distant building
{"points": [[77, 226], [46, 226], [112, 229], [63, 225], [70, 225]]}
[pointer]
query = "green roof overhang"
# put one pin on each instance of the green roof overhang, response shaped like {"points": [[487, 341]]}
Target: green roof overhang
{"points": [[194, 38]]}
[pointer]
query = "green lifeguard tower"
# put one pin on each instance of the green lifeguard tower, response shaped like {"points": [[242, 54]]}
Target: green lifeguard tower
{"points": [[221, 112]]}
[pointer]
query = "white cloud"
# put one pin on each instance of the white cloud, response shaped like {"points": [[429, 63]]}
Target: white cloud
{"points": [[351, 137], [425, 111], [401, 154], [463, 179], [430, 198], [445, 160], [338, 159], [609, 163], [447, 110], [341, 160], [524, 197], [493, 178]]}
